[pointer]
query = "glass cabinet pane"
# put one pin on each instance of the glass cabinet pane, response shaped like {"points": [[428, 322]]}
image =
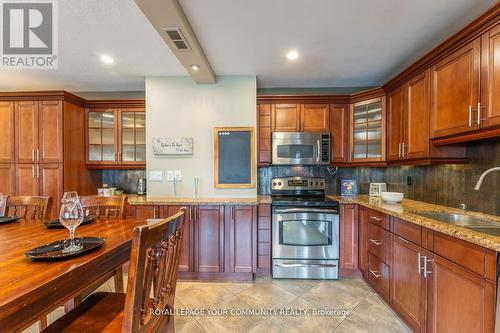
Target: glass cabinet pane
{"points": [[108, 152], [133, 138], [108, 120], [367, 130], [140, 120], [140, 136], [101, 136], [128, 137], [94, 119], [128, 153], [128, 120]]}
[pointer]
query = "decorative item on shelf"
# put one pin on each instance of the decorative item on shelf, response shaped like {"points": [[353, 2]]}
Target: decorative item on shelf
{"points": [[173, 146], [348, 187], [196, 183]]}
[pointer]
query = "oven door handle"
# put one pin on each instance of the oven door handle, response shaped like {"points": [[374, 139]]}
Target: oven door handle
{"points": [[285, 265], [305, 210]]}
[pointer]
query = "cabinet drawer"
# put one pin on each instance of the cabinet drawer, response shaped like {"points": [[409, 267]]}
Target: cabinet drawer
{"points": [[407, 230], [378, 218], [264, 249], [264, 210], [264, 236], [264, 222], [378, 242], [378, 275], [463, 253]]}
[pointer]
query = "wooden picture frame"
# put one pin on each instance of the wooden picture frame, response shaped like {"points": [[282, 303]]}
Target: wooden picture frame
{"points": [[218, 182]]}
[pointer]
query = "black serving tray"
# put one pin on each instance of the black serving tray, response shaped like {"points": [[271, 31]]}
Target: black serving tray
{"points": [[57, 223], [53, 251], [8, 219]]}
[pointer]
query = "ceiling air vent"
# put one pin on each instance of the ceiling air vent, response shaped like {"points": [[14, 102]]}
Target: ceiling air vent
{"points": [[177, 38]]}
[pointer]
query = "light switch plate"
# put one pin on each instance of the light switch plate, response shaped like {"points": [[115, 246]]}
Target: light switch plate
{"points": [[155, 176], [178, 174], [170, 176]]}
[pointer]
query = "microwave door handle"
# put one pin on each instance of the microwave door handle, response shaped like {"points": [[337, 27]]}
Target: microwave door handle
{"points": [[318, 150]]}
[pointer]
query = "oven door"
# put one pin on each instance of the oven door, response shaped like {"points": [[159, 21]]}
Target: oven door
{"points": [[296, 148], [305, 233]]}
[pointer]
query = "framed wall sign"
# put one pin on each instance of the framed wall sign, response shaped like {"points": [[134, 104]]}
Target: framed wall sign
{"points": [[173, 146]]}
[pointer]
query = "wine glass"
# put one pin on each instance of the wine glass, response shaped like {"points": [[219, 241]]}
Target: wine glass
{"points": [[70, 216]]}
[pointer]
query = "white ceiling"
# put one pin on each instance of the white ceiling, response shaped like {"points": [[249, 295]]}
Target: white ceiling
{"points": [[342, 43]]}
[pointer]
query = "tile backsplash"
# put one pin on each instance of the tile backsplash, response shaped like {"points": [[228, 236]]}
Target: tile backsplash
{"points": [[448, 185], [123, 179]]}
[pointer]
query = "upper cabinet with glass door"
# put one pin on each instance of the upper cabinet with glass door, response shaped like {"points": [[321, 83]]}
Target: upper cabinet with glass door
{"points": [[116, 137], [368, 131]]}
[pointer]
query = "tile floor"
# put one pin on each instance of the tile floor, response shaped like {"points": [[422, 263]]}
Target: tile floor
{"points": [[367, 312]]}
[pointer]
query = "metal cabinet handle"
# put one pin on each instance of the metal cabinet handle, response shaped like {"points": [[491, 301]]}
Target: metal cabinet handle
{"points": [[38, 155], [304, 265], [375, 273], [33, 171], [419, 261], [479, 113], [37, 171], [426, 272], [403, 152], [376, 218], [399, 150], [376, 242], [470, 115]]}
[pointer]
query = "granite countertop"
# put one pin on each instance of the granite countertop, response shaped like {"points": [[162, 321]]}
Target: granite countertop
{"points": [[134, 199], [405, 209]]}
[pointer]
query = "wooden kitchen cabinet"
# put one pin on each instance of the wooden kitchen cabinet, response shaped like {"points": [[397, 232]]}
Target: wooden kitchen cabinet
{"points": [[7, 179], [7, 132], [240, 239], [264, 240], [363, 240], [115, 135], [408, 284], [314, 118], [348, 235], [490, 78], [27, 181], [209, 239], [26, 131], [455, 91], [339, 132], [395, 123], [51, 184], [264, 133], [50, 132], [458, 299], [286, 117]]}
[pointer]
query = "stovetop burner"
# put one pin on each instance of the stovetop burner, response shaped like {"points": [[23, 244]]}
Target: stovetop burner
{"points": [[300, 192]]}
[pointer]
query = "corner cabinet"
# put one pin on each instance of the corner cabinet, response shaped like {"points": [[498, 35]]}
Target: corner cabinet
{"points": [[116, 135], [367, 132]]}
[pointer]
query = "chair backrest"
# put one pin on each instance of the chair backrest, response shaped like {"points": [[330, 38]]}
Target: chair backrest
{"points": [[29, 207], [106, 207], [153, 266]]}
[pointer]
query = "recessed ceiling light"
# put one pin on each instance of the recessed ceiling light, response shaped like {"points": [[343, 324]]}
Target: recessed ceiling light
{"points": [[292, 55], [107, 59], [195, 67]]}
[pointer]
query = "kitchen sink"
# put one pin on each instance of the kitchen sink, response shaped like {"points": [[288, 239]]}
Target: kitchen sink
{"points": [[483, 225]]}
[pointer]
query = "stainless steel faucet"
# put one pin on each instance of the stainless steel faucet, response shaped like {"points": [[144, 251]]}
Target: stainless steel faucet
{"points": [[487, 172]]}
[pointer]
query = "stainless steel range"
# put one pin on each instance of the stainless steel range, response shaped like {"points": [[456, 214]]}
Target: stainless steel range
{"points": [[305, 229]]}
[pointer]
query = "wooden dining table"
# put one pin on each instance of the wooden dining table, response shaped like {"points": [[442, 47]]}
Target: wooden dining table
{"points": [[29, 289]]}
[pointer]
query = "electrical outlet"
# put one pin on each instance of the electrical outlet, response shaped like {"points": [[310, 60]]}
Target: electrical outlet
{"points": [[409, 180], [178, 175], [170, 175], [155, 176]]}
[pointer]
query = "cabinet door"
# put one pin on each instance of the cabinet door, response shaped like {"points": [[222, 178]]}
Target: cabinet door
{"points": [[338, 132], [26, 180], [285, 117], [458, 300], [490, 78], [7, 132], [264, 133], [455, 89], [132, 135], [241, 239], [315, 118], [26, 131], [145, 212], [395, 116], [348, 237], [209, 239], [102, 136], [51, 184], [368, 128], [363, 240], [186, 258], [50, 129], [416, 130], [408, 285], [7, 179]]}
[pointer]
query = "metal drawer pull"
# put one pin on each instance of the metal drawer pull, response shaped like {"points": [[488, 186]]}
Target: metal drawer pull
{"points": [[305, 265], [375, 273], [376, 242], [399, 155], [33, 155], [376, 218], [470, 115], [426, 272], [306, 210], [419, 261], [479, 113]]}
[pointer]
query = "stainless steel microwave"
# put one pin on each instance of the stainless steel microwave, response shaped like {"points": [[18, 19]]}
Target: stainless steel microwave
{"points": [[301, 148]]}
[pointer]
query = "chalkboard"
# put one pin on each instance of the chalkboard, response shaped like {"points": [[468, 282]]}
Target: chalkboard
{"points": [[234, 157]]}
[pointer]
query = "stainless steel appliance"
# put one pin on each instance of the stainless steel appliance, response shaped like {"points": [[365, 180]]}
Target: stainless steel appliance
{"points": [[141, 186], [305, 229], [377, 188], [301, 148]]}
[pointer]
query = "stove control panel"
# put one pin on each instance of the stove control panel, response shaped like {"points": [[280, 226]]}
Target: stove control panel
{"points": [[297, 183]]}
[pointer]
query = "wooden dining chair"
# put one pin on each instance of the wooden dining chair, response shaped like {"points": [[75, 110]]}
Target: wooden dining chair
{"points": [[105, 207], [28, 207], [154, 260]]}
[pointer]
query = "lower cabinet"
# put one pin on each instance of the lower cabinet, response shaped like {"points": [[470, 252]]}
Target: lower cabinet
{"points": [[219, 241], [429, 292], [348, 230]]}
